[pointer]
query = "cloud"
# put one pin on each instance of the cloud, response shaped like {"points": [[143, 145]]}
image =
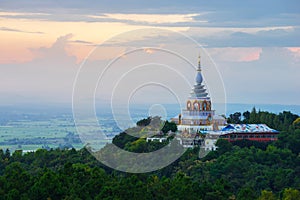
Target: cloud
{"points": [[216, 14], [137, 5], [47, 78], [256, 48], [248, 37], [228, 37], [273, 78], [149, 50], [149, 18], [295, 51], [56, 53], [230, 54], [81, 42], [18, 30]]}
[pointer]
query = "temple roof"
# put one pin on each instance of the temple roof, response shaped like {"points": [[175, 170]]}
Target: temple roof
{"points": [[198, 90], [248, 128]]}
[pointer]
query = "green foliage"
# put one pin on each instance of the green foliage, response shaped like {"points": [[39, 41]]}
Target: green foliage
{"points": [[234, 118], [169, 126], [280, 122], [156, 122], [122, 139], [291, 194], [223, 146], [138, 146], [289, 140], [250, 143], [126, 141], [267, 195], [246, 193], [241, 170], [144, 122], [283, 121], [296, 123], [246, 116]]}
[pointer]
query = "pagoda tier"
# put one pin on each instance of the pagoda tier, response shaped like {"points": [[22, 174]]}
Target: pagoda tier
{"points": [[198, 92]]}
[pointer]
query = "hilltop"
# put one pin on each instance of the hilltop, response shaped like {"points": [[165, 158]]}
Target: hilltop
{"points": [[234, 171]]}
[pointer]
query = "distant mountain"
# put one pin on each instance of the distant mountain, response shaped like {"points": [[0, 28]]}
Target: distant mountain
{"points": [[274, 108], [137, 111]]}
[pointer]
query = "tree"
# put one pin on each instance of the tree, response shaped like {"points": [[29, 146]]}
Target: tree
{"points": [[246, 193], [13, 194], [122, 139], [47, 186], [144, 122], [296, 123], [291, 194], [17, 155], [267, 195], [250, 143], [243, 168], [253, 116], [294, 141], [2, 155], [246, 116], [17, 177], [223, 146], [138, 146], [7, 154], [169, 126], [182, 187], [235, 118]]}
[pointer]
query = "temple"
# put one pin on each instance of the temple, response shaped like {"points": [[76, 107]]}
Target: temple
{"points": [[198, 116]]}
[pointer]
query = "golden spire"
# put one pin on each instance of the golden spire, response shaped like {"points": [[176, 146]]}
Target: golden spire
{"points": [[199, 62]]}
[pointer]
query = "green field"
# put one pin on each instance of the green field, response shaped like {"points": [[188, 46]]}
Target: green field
{"points": [[30, 135]]}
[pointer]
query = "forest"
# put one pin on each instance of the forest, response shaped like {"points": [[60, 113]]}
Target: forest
{"points": [[241, 170]]}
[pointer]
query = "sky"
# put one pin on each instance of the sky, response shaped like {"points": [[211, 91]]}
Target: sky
{"points": [[250, 50]]}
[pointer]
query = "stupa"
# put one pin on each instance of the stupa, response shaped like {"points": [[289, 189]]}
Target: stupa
{"points": [[198, 115]]}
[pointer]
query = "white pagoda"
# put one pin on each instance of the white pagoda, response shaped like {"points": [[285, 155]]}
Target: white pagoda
{"points": [[198, 115]]}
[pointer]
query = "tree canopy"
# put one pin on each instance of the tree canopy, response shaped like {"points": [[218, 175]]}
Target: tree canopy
{"points": [[241, 170]]}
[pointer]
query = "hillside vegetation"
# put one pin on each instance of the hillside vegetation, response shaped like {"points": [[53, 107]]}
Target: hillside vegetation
{"points": [[240, 170]]}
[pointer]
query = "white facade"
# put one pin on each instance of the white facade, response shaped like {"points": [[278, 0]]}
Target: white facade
{"points": [[210, 141]]}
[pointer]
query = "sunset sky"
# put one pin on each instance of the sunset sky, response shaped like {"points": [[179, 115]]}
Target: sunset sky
{"points": [[255, 45]]}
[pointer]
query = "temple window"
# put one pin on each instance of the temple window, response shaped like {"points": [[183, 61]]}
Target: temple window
{"points": [[196, 106], [204, 106]]}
